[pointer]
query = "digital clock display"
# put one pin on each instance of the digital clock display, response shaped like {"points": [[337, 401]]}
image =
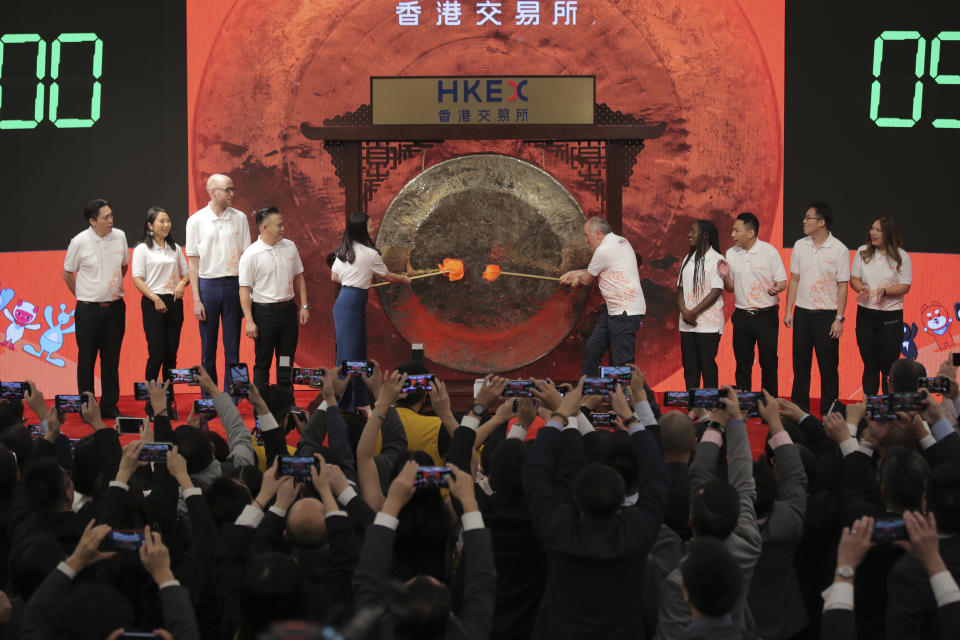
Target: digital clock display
{"points": [[92, 104], [873, 118]]}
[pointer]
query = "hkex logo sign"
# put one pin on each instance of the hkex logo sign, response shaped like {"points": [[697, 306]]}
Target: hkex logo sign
{"points": [[480, 91]]}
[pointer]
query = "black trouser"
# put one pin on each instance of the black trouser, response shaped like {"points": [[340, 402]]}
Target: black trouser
{"points": [[698, 352], [879, 336], [277, 332], [760, 328], [163, 334], [100, 330], [619, 333], [811, 332]]}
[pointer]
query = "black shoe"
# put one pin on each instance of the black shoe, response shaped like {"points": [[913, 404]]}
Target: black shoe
{"points": [[109, 413]]}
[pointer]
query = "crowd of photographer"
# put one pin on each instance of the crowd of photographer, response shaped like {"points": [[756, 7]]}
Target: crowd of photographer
{"points": [[533, 515]]}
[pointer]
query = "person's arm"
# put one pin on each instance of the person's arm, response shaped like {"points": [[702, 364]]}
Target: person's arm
{"points": [[193, 264], [300, 284], [366, 467], [179, 618], [71, 280], [839, 621], [577, 278], [740, 470], [238, 435], [673, 617], [726, 274], [246, 305], [791, 299], [836, 329], [339, 440], [440, 401], [787, 521]]}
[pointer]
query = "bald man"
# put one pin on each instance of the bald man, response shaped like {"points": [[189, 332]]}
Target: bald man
{"points": [[216, 237]]}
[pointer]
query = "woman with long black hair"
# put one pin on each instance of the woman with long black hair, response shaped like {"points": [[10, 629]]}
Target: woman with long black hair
{"points": [[699, 296], [160, 273], [881, 275], [356, 261]]}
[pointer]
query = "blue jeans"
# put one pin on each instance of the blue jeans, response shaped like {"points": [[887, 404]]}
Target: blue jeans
{"points": [[221, 301], [350, 326]]}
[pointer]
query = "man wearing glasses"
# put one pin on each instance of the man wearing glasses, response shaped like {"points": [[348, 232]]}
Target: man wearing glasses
{"points": [[216, 237], [819, 272]]}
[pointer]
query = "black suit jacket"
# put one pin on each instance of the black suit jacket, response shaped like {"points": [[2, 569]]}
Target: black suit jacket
{"points": [[911, 607]]}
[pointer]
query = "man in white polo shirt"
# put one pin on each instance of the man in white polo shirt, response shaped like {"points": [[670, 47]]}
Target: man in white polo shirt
{"points": [[819, 272], [614, 263], [270, 271], [96, 262], [754, 273], [216, 237]]}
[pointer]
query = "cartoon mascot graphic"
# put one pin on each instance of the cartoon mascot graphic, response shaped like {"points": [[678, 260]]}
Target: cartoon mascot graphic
{"points": [[938, 323], [23, 315]]}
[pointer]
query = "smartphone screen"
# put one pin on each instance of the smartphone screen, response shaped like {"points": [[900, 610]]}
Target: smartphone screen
{"points": [[908, 401], [417, 383], [602, 419], [889, 530], [297, 466], [620, 374], [940, 384], [155, 452], [749, 403], [239, 380], [69, 403], [676, 398], [13, 390], [183, 376], [130, 425], [37, 431], [309, 377], [140, 391], [599, 386], [432, 476], [705, 399], [878, 408], [257, 432], [356, 367], [124, 540], [518, 388]]}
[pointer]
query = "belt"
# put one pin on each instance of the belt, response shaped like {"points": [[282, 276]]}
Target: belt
{"points": [[285, 303], [756, 312], [102, 305]]}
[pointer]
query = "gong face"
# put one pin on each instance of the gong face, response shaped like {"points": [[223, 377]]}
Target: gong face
{"points": [[484, 209]]}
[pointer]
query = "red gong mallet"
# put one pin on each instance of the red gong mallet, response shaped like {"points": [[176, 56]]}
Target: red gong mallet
{"points": [[452, 267]]}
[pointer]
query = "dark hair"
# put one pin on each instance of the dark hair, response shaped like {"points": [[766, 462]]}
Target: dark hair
{"points": [[89, 611], [279, 400], [263, 214], [891, 239], [824, 211], [249, 476], [147, 236], [45, 484], [273, 589], [194, 447], [714, 510], [221, 450], [943, 497], [506, 467], [17, 439], [31, 561], [356, 231], [619, 456], [707, 237], [905, 375], [903, 474], [8, 471], [425, 537], [712, 578], [91, 210], [11, 413], [750, 221], [677, 433], [422, 609], [226, 498], [767, 485], [598, 491]]}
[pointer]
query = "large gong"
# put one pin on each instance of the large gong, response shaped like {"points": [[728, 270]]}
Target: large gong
{"points": [[484, 209]]}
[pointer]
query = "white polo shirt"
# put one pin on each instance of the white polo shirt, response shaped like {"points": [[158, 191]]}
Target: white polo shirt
{"points": [[269, 270], [820, 271], [98, 264], [755, 270], [359, 274], [217, 240], [614, 264], [161, 268], [880, 273], [711, 320]]}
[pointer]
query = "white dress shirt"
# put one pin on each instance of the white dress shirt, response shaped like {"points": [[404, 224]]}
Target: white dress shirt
{"points": [[820, 271], [161, 268], [218, 241], [754, 271], [881, 273], [98, 264], [359, 274], [269, 270], [614, 264], [711, 319]]}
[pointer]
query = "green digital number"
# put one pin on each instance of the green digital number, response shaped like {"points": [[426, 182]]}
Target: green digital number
{"points": [[917, 87], [939, 78], [67, 123], [25, 38]]}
